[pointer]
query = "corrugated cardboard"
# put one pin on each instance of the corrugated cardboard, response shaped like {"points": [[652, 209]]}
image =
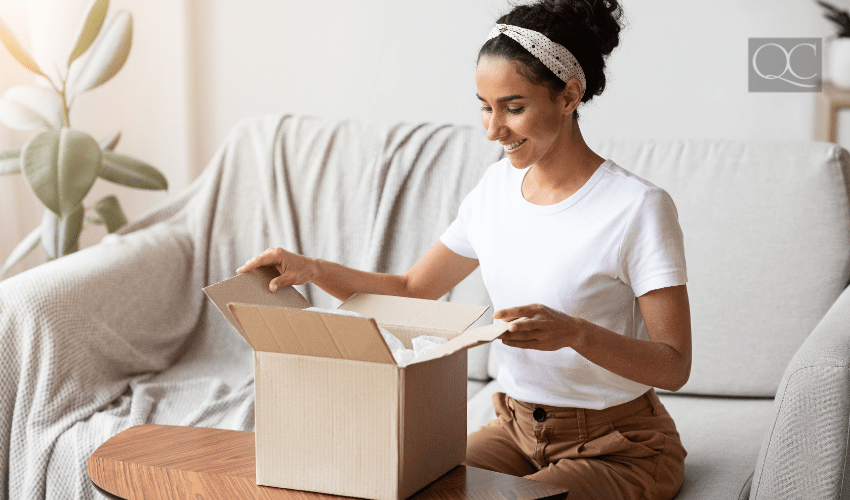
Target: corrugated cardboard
{"points": [[334, 413], [253, 288]]}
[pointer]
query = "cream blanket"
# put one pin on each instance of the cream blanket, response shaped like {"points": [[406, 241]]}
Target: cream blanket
{"points": [[121, 334]]}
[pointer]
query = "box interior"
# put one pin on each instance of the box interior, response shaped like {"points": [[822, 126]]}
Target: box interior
{"points": [[276, 322]]}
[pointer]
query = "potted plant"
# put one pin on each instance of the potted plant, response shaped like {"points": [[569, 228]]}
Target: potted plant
{"points": [[61, 164], [839, 52]]}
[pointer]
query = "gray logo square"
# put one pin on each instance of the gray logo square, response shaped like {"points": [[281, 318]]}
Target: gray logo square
{"points": [[785, 64]]}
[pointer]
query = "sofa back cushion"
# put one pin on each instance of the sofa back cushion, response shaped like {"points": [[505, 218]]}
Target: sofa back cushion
{"points": [[766, 225], [767, 243]]}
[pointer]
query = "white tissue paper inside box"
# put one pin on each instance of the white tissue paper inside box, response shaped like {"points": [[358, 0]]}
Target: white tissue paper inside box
{"points": [[403, 356]]}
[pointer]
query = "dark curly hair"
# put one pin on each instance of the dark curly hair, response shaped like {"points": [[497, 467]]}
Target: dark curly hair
{"points": [[590, 29]]}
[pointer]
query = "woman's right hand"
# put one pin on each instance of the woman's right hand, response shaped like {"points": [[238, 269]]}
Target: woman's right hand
{"points": [[294, 269]]}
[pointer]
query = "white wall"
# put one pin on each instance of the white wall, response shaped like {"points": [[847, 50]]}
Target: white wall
{"points": [[681, 69], [198, 66]]}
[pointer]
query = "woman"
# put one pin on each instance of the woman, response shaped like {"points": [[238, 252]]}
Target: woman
{"points": [[589, 256]]}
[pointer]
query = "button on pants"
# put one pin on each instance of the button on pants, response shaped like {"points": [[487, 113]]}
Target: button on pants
{"points": [[629, 451]]}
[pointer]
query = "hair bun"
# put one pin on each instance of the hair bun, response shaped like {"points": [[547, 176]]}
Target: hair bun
{"points": [[601, 19]]}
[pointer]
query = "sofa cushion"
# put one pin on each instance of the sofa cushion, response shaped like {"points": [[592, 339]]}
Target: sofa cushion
{"points": [[722, 436], [472, 291], [479, 407], [477, 359], [473, 387], [492, 366], [766, 228]]}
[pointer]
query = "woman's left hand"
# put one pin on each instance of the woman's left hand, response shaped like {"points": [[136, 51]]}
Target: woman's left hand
{"points": [[543, 328]]}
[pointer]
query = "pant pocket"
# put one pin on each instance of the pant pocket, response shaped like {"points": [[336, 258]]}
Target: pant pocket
{"points": [[607, 441], [639, 443]]}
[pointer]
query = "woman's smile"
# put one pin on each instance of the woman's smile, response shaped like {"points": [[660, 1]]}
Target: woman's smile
{"points": [[509, 148]]}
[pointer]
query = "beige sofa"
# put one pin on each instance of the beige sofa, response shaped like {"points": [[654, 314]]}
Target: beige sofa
{"points": [[121, 334], [767, 238]]}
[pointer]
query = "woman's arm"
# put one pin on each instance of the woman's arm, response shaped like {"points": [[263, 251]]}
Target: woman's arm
{"points": [[664, 361], [431, 277]]}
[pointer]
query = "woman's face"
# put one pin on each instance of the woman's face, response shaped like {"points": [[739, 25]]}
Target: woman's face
{"points": [[518, 113]]}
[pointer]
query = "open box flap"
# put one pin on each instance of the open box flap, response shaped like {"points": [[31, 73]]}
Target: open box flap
{"points": [[311, 333], [411, 312], [467, 340], [253, 288]]}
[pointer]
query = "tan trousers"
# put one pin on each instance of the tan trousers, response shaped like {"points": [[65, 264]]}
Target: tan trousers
{"points": [[629, 451]]}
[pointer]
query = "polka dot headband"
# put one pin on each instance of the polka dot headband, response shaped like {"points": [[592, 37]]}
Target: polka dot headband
{"points": [[554, 55]]}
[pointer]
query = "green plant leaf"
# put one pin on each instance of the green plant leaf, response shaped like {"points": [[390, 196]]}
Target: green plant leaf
{"points": [[10, 162], [60, 167], [110, 213], [8, 39], [90, 27], [109, 142], [131, 172], [23, 249], [105, 57], [61, 236], [25, 107]]}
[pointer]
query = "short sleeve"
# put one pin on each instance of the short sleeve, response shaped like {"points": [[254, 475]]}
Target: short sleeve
{"points": [[652, 251], [456, 237]]}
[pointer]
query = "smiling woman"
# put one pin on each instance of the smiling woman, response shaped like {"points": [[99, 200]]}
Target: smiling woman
{"points": [[584, 258]]}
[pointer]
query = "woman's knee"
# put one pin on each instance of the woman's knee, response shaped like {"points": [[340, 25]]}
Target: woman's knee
{"points": [[491, 448]]}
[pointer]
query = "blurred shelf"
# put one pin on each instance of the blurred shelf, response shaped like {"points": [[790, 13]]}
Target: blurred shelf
{"points": [[828, 102]]}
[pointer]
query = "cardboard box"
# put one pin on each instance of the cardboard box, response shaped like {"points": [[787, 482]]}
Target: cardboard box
{"points": [[334, 413]]}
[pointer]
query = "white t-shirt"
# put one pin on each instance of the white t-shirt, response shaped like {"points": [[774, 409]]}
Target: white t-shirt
{"points": [[589, 255]]}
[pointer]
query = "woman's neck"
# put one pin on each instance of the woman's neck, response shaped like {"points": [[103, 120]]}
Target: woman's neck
{"points": [[564, 170]]}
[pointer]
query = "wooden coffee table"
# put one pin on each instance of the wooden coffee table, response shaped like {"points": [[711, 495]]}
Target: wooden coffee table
{"points": [[169, 462]]}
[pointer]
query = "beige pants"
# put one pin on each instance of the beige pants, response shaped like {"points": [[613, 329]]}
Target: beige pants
{"points": [[629, 451]]}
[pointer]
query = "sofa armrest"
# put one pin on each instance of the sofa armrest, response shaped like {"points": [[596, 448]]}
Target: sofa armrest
{"points": [[805, 452], [118, 309], [76, 331]]}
